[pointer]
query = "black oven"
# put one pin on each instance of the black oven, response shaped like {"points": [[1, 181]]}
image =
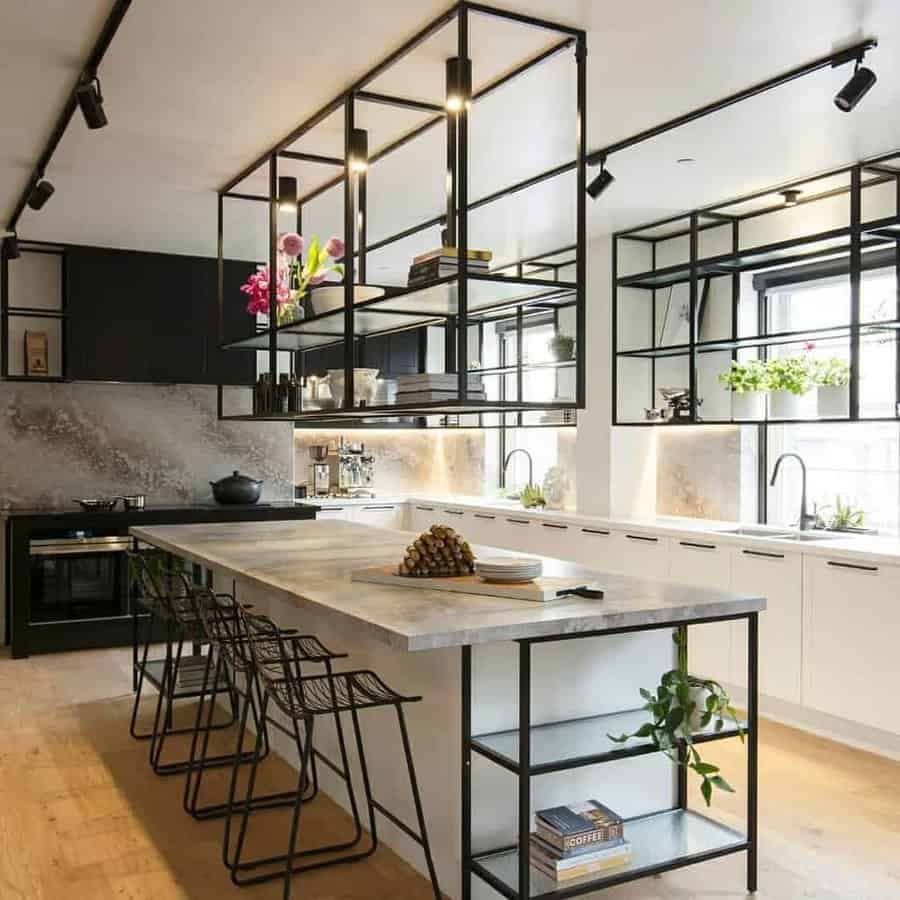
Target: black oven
{"points": [[78, 575]]}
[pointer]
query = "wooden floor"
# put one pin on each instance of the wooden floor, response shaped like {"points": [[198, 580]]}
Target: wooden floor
{"points": [[83, 818]]}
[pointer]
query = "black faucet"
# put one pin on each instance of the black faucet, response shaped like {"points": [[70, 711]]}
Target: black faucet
{"points": [[510, 455], [807, 520]]}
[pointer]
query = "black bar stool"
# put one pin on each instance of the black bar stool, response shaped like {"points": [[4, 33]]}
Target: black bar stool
{"points": [[218, 616], [301, 698], [166, 595]]}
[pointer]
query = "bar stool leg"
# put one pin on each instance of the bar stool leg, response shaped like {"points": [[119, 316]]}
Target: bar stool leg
{"points": [[417, 800], [138, 677], [306, 753]]}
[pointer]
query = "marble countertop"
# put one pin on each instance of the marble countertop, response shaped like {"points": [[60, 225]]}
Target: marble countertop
{"points": [[883, 549], [308, 563]]}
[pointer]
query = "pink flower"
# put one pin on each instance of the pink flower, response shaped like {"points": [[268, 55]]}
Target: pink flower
{"points": [[334, 247], [291, 244], [318, 279], [809, 345]]}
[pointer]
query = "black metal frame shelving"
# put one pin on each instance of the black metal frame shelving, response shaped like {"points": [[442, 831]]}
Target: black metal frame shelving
{"points": [[457, 302], [662, 840], [846, 246]]}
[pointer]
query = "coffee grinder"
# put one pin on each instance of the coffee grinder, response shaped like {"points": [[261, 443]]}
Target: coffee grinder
{"points": [[320, 474]]}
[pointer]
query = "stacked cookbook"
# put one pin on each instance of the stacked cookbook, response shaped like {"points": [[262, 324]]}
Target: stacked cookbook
{"points": [[443, 262], [575, 841]]}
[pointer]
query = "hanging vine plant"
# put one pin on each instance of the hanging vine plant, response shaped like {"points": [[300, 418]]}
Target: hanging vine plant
{"points": [[682, 706]]}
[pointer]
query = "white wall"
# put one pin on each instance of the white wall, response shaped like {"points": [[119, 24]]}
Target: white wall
{"points": [[616, 467]]}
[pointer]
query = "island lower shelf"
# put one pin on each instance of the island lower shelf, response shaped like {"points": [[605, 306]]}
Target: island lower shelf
{"points": [[659, 842]]}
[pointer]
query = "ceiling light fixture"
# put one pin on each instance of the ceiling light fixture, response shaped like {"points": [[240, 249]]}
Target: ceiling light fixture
{"points": [[287, 193], [359, 150], [685, 160], [601, 182], [90, 99], [11, 246], [791, 198], [459, 84], [40, 194], [857, 87]]}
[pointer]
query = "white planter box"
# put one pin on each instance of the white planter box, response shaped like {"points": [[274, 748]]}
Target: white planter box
{"points": [[785, 405], [833, 401], [748, 405]]}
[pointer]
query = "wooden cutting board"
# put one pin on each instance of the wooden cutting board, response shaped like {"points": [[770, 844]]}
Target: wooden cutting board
{"points": [[540, 590]]}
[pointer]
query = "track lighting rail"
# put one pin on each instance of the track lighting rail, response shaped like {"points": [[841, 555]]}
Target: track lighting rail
{"points": [[88, 72]]}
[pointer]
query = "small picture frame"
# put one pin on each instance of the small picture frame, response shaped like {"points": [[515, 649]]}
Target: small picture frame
{"points": [[36, 354]]}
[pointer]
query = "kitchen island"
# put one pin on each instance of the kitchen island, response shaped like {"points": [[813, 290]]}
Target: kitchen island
{"points": [[509, 686]]}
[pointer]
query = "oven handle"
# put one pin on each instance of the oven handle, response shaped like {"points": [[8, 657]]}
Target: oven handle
{"points": [[79, 549]]}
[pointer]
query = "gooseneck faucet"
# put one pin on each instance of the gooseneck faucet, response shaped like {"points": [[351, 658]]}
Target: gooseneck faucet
{"points": [[510, 455], [807, 521]]}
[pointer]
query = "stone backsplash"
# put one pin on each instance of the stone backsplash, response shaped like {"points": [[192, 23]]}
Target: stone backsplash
{"points": [[60, 441]]}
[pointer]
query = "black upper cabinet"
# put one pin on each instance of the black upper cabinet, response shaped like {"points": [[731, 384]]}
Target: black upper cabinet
{"points": [[153, 317]]}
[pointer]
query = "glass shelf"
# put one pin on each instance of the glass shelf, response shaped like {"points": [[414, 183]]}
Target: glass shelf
{"points": [[762, 340], [402, 308], [781, 253], [659, 841], [579, 742], [526, 367]]}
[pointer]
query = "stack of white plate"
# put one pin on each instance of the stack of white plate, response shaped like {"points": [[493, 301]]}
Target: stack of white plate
{"points": [[509, 570]]}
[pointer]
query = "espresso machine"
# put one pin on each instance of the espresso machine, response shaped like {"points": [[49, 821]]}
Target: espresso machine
{"points": [[320, 470], [354, 470]]}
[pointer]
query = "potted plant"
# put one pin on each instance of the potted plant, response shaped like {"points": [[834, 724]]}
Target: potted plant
{"points": [[683, 705], [789, 378], [747, 383], [562, 347], [845, 517], [832, 380]]}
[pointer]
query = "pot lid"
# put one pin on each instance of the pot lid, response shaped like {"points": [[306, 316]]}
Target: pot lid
{"points": [[234, 479]]}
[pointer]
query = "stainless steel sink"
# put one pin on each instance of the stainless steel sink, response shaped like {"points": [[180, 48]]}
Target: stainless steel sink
{"points": [[807, 536], [749, 531]]}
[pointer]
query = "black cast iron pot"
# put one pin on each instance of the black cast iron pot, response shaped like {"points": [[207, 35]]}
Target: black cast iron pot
{"points": [[236, 488]]}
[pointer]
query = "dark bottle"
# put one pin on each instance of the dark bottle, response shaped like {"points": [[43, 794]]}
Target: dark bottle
{"points": [[293, 402], [281, 394]]}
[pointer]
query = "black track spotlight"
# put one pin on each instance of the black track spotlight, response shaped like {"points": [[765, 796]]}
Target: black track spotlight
{"points": [[287, 193], [40, 194], [601, 182], [11, 247], [791, 197], [90, 99], [855, 89], [359, 150], [459, 84]]}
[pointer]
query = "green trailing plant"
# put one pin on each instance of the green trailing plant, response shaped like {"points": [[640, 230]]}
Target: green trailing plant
{"points": [[562, 347], [845, 516], [682, 705], [532, 495], [790, 373], [832, 372], [745, 377]]}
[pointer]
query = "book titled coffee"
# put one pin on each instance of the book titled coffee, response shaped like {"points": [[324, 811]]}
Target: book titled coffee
{"points": [[577, 825]]}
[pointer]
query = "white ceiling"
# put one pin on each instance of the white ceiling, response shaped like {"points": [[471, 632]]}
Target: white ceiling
{"points": [[195, 91]]}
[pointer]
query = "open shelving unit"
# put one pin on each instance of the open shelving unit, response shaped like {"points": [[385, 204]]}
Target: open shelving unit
{"points": [[460, 312], [661, 839], [694, 292]]}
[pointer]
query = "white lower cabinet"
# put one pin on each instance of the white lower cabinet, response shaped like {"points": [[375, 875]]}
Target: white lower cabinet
{"points": [[639, 555], [421, 516], [706, 564], [778, 577], [381, 515], [335, 512], [593, 547], [851, 665]]}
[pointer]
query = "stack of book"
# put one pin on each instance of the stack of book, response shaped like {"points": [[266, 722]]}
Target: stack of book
{"points": [[579, 840], [429, 387], [445, 261]]}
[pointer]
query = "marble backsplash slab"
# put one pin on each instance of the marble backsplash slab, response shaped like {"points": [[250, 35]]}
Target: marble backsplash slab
{"points": [[60, 441], [432, 461], [698, 472]]}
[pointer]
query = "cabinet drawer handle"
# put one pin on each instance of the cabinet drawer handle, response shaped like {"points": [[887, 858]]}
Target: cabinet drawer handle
{"points": [[484, 516], [426, 508], [594, 531], [842, 565], [552, 525], [454, 512], [696, 546], [642, 537], [763, 554], [379, 507], [519, 521]]}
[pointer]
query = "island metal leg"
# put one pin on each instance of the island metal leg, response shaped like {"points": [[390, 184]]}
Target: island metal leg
{"points": [[524, 768], [465, 873], [752, 750]]}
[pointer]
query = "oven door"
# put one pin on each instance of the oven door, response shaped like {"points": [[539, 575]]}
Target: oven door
{"points": [[78, 577]]}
